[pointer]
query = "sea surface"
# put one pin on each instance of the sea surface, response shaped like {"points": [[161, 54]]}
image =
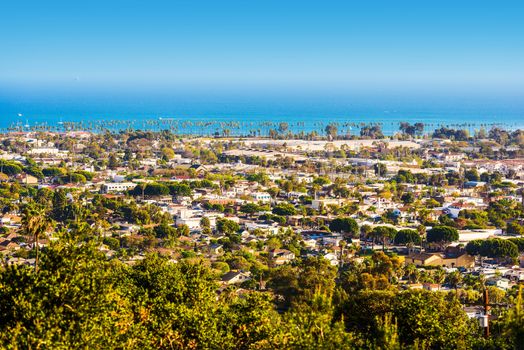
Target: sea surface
{"points": [[251, 116]]}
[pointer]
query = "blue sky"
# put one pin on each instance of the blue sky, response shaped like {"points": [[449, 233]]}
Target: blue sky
{"points": [[391, 47]]}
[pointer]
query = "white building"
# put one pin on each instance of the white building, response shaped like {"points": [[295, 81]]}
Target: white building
{"points": [[261, 196], [44, 150], [111, 187], [317, 203]]}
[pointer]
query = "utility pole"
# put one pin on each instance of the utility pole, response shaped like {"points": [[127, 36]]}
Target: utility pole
{"points": [[487, 308]]}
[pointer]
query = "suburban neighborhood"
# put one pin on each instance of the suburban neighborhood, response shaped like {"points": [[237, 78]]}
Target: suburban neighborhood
{"points": [[410, 212]]}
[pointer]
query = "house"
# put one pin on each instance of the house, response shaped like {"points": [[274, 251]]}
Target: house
{"points": [[111, 187], [222, 201], [415, 286], [323, 203], [234, 277], [261, 197], [199, 169], [515, 274], [26, 179], [310, 243], [8, 245], [440, 259], [501, 283], [333, 240], [474, 311], [453, 157], [281, 256], [474, 184], [433, 287], [193, 222], [332, 258], [10, 219], [216, 249], [452, 211], [424, 259], [461, 259]]}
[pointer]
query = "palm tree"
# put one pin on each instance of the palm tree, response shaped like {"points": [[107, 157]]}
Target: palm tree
{"points": [[34, 224], [454, 279], [412, 273], [439, 276]]}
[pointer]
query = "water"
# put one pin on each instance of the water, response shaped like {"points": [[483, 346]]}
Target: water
{"points": [[207, 115]]}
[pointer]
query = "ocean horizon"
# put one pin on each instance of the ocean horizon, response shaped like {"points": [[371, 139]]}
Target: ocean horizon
{"points": [[243, 117]]}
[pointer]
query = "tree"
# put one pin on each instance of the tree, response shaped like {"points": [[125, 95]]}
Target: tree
{"points": [[494, 248], [431, 318], [250, 208], [166, 231], [73, 302], [151, 189], [284, 209], [372, 131], [412, 130], [321, 181], [442, 235], [514, 324], [472, 175], [424, 319], [380, 169], [60, 204], [344, 225], [35, 223], [419, 128], [454, 279], [408, 237], [283, 127], [515, 228], [113, 161], [385, 233], [408, 198], [331, 130], [179, 189], [474, 247], [407, 129], [205, 222], [168, 153], [183, 230], [10, 168], [227, 226]]}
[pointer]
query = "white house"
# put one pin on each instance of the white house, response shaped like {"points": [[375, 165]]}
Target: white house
{"points": [[261, 196], [110, 187], [234, 277]]}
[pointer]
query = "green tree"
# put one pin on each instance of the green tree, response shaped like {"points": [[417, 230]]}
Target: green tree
{"points": [[380, 169], [250, 208], [35, 223], [472, 175], [72, 303], [407, 237], [442, 235], [284, 209], [331, 130], [385, 233], [166, 231], [227, 226], [113, 161], [183, 230], [514, 324], [168, 153], [344, 225]]}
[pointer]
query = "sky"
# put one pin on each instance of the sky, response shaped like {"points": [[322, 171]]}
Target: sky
{"points": [[394, 48]]}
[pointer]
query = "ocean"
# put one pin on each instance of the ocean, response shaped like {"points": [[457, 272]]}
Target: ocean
{"points": [[240, 116]]}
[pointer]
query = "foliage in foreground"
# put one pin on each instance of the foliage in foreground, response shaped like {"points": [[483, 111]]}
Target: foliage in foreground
{"points": [[79, 299]]}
